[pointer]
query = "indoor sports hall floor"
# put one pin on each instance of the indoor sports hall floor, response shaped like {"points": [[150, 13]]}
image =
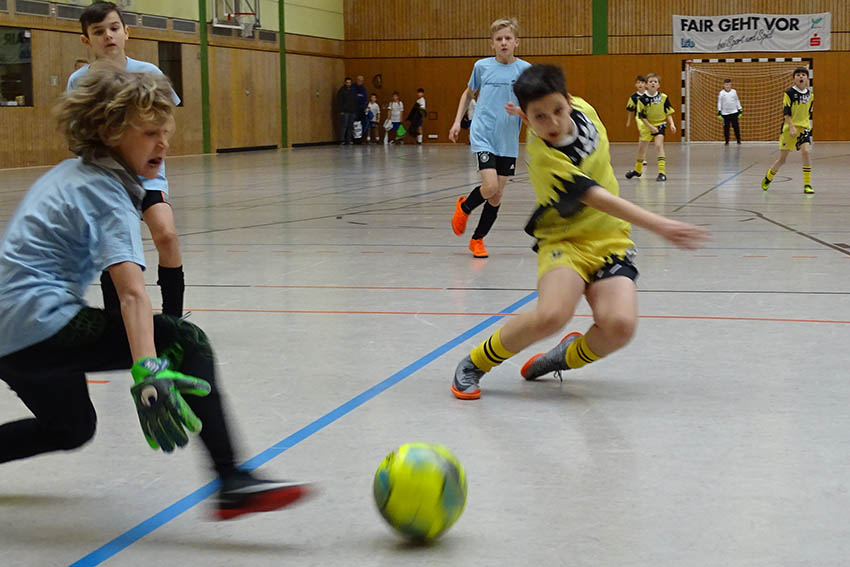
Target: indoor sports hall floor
{"points": [[340, 302]]}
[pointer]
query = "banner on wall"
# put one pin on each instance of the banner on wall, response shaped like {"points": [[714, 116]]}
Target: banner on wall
{"points": [[751, 32]]}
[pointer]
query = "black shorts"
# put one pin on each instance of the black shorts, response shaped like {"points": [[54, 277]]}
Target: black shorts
{"points": [[617, 266], [152, 198], [661, 129], [504, 166]]}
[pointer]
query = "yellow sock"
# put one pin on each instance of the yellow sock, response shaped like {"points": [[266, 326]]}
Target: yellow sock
{"points": [[770, 174], [579, 354], [662, 164], [807, 175], [490, 353], [639, 165]]}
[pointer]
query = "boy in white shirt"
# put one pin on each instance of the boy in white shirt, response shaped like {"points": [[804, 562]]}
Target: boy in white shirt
{"points": [[374, 109], [729, 109], [396, 107]]}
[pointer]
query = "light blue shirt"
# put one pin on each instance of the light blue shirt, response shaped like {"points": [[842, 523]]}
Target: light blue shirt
{"points": [[159, 183], [493, 129], [75, 221]]}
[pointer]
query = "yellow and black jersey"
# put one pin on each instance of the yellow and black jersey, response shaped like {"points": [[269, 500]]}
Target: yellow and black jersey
{"points": [[632, 103], [798, 105], [562, 175], [656, 108]]}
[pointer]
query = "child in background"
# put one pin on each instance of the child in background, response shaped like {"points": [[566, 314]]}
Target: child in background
{"points": [[395, 108], [494, 136], [374, 111], [420, 93]]}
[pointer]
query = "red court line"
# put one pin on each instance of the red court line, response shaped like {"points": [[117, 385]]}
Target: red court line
{"points": [[348, 287], [451, 313], [97, 381], [753, 256]]}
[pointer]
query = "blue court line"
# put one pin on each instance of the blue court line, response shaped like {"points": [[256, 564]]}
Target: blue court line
{"points": [[136, 533]]}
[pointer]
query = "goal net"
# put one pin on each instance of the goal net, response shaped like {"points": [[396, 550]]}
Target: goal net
{"points": [[760, 86]]}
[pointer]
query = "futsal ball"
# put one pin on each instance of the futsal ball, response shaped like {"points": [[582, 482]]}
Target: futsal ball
{"points": [[420, 490]]}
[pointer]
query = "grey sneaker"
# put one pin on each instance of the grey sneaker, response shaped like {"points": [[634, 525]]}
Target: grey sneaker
{"points": [[465, 383], [553, 361]]}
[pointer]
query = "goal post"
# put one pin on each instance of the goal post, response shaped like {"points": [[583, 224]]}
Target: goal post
{"points": [[760, 83]]}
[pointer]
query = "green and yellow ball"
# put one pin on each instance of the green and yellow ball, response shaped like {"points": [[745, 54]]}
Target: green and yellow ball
{"points": [[420, 490]]}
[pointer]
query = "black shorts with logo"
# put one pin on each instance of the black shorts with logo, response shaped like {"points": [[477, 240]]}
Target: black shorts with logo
{"points": [[504, 166]]}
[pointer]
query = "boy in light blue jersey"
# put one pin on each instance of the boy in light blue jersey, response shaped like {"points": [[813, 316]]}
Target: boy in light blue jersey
{"points": [[105, 32], [76, 221], [494, 135]]}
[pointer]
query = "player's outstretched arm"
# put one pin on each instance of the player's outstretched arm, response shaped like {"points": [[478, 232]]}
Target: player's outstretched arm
{"points": [[461, 110], [681, 234], [136, 308]]}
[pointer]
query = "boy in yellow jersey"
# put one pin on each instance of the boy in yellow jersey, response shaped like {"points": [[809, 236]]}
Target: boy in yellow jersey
{"points": [[583, 245], [796, 129], [655, 111], [631, 111]]}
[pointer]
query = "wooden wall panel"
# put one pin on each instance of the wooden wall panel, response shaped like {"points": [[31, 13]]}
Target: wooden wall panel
{"points": [[54, 53], [312, 84], [308, 45], [448, 28], [645, 26], [36, 139], [606, 81], [189, 136], [380, 19], [244, 98]]}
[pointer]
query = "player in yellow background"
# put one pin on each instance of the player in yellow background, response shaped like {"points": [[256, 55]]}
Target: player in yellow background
{"points": [[583, 238], [796, 129], [631, 111], [655, 111]]}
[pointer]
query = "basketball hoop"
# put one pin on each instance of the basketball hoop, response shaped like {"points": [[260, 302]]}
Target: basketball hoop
{"points": [[245, 22]]}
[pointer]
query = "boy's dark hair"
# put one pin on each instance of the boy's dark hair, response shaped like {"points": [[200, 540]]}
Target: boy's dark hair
{"points": [[640, 78], [803, 70], [727, 81], [420, 90], [538, 81], [96, 13]]}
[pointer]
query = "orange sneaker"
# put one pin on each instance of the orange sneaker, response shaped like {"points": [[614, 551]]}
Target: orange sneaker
{"points": [[459, 218], [476, 245]]}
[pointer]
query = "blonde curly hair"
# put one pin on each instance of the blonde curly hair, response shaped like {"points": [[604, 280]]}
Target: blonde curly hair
{"points": [[96, 113]]}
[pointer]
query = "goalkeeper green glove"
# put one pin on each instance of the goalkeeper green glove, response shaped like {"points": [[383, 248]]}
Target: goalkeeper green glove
{"points": [[719, 117], [740, 113], [162, 410]]}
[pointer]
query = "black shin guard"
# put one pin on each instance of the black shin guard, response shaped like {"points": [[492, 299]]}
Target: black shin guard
{"points": [[485, 223], [171, 286]]}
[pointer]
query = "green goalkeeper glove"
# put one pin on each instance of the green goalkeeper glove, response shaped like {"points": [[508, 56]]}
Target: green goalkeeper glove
{"points": [[719, 117], [162, 410], [740, 113]]}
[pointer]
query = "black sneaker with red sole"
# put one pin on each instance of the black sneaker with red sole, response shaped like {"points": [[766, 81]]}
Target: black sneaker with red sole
{"points": [[243, 493]]}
